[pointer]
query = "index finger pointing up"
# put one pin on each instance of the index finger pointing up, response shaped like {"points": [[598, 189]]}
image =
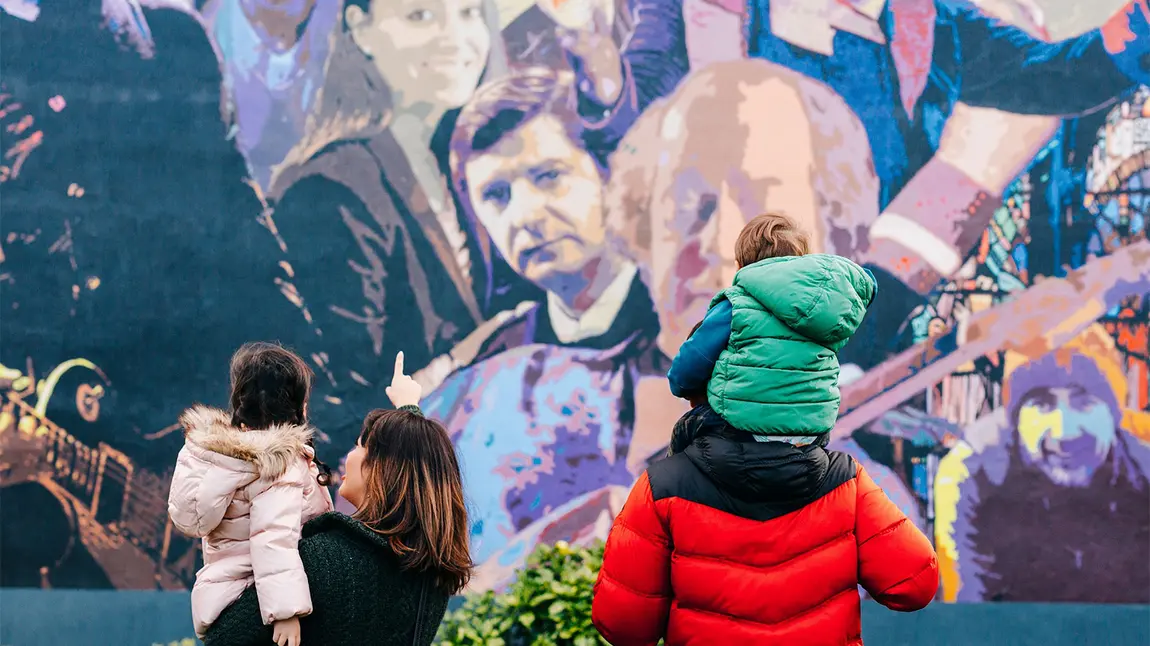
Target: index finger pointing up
{"points": [[398, 366]]}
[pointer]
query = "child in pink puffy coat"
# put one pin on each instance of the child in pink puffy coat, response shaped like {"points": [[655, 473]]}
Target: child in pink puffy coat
{"points": [[245, 483]]}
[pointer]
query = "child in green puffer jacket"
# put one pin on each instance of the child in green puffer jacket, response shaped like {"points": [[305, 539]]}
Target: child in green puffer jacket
{"points": [[766, 352]]}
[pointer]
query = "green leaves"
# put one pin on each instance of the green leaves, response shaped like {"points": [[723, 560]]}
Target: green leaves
{"points": [[548, 604]]}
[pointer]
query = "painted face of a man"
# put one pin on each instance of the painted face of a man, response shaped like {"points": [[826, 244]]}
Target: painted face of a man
{"points": [[427, 51], [692, 252], [539, 195], [1066, 432], [719, 181], [697, 168]]}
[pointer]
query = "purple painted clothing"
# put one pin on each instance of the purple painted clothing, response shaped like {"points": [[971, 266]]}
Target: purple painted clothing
{"points": [[271, 90], [1008, 510], [536, 427]]}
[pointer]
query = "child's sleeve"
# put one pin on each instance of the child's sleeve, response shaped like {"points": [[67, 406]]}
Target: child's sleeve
{"points": [[691, 369], [632, 597], [276, 520], [199, 495], [897, 564]]}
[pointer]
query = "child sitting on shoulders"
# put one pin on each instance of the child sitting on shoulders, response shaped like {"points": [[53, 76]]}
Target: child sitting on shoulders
{"points": [[751, 531], [766, 352]]}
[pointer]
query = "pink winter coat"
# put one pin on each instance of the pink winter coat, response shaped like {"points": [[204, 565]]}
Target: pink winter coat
{"points": [[246, 493]]}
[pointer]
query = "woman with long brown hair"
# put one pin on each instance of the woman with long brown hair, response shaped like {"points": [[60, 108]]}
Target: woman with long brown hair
{"points": [[383, 575]]}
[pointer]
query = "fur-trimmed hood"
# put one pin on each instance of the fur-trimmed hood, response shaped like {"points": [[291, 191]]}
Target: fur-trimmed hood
{"points": [[270, 451]]}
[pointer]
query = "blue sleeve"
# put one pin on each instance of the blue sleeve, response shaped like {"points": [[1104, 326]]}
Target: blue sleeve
{"points": [[691, 369], [1007, 69]]}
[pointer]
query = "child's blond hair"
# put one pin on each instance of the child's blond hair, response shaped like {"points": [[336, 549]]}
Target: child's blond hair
{"points": [[770, 235]]}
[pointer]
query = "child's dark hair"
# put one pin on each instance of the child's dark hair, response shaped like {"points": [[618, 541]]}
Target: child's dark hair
{"points": [[770, 235], [270, 386]]}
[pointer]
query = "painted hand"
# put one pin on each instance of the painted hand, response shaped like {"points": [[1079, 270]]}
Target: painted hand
{"points": [[285, 632], [584, 32], [403, 391]]}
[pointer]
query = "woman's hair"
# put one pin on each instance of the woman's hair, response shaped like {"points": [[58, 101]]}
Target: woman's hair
{"points": [[270, 385], [413, 495]]}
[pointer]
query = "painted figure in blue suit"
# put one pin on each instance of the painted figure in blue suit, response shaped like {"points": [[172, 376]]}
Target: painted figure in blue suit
{"points": [[901, 68], [905, 68]]}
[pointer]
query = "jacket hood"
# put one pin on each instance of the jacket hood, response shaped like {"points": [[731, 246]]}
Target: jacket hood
{"points": [[772, 472], [820, 296], [270, 451]]}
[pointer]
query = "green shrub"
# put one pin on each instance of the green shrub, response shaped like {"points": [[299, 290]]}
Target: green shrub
{"points": [[548, 604]]}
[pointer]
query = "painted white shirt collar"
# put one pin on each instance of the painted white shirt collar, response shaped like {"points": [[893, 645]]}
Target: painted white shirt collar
{"points": [[598, 318]]}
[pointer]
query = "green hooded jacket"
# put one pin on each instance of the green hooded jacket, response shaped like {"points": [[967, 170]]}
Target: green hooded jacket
{"points": [[790, 317]]}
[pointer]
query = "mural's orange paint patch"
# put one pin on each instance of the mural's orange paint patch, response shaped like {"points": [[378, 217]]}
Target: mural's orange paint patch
{"points": [[20, 126], [20, 151], [1116, 32]]}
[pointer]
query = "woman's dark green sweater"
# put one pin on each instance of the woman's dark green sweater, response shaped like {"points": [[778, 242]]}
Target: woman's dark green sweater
{"points": [[358, 590]]}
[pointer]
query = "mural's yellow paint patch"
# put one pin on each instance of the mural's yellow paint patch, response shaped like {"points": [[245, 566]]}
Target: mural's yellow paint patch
{"points": [[27, 425], [1034, 424], [45, 388], [1137, 423], [952, 472]]}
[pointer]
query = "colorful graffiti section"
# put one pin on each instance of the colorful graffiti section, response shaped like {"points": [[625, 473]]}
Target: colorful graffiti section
{"points": [[535, 201]]}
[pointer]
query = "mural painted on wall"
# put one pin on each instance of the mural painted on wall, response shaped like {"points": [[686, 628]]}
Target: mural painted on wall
{"points": [[535, 201]]}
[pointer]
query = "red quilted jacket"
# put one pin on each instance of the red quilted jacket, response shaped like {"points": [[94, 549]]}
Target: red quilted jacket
{"points": [[738, 542]]}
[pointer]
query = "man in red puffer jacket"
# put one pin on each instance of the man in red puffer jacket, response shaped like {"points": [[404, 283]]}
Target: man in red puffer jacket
{"points": [[733, 541], [751, 532]]}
